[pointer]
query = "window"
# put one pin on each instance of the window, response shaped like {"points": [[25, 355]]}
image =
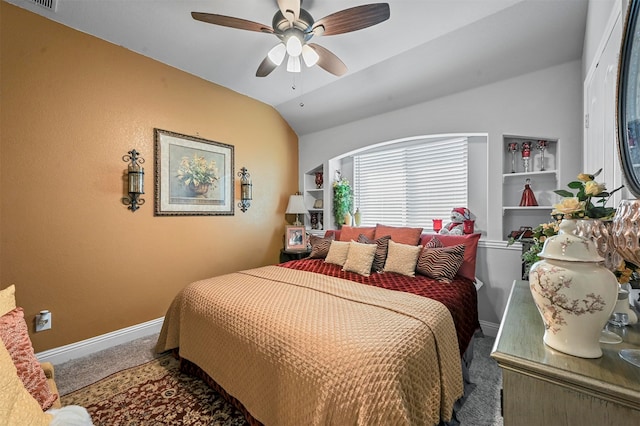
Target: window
{"points": [[412, 183]]}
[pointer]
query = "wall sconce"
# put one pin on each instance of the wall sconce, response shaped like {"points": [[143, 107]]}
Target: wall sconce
{"points": [[135, 180], [245, 189]]}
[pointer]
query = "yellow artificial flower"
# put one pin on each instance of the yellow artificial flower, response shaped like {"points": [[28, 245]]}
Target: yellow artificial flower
{"points": [[593, 188], [569, 207], [585, 177]]}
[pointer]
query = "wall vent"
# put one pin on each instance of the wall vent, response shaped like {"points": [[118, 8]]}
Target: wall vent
{"points": [[47, 4]]}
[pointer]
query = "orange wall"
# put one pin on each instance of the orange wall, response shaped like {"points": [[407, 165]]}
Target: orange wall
{"points": [[72, 105]]}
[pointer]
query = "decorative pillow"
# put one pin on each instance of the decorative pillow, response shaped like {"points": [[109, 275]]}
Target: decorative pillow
{"points": [[382, 247], [360, 258], [434, 243], [17, 406], [15, 335], [441, 264], [7, 299], [402, 258], [348, 233], [401, 235], [470, 241], [319, 246], [338, 253]]}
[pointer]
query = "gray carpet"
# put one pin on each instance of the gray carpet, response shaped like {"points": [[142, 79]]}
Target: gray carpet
{"points": [[482, 407]]}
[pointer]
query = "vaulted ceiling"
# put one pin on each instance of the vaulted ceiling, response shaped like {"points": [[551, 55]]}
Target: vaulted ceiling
{"points": [[427, 48]]}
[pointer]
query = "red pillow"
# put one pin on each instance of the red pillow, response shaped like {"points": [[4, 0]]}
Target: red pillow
{"points": [[399, 234], [348, 233], [470, 241], [15, 335]]}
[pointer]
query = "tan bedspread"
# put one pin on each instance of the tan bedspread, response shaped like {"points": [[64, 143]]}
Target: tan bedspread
{"points": [[298, 348]]}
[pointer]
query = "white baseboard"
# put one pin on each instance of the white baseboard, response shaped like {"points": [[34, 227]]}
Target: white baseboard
{"points": [[99, 343], [489, 329]]}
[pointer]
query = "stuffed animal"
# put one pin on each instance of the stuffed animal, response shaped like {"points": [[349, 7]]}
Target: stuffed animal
{"points": [[456, 226]]}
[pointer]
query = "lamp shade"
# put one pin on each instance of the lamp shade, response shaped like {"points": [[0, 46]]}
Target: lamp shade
{"points": [[296, 205]]}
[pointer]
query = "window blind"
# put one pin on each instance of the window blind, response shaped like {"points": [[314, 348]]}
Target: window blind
{"points": [[412, 184]]}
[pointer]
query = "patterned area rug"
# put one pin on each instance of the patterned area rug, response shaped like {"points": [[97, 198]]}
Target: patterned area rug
{"points": [[154, 394]]}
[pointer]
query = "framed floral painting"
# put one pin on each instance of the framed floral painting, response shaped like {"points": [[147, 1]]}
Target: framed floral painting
{"points": [[194, 176]]}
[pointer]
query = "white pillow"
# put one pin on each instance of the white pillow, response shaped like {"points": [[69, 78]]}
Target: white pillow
{"points": [[402, 259], [338, 253], [70, 415], [360, 258]]}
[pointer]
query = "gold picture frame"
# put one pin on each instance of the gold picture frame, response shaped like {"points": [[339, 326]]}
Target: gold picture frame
{"points": [[181, 163]]}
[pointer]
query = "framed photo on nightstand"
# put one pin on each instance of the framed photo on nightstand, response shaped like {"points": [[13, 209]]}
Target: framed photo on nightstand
{"points": [[295, 238]]}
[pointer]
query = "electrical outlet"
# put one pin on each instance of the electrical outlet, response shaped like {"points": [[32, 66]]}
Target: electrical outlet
{"points": [[43, 321]]}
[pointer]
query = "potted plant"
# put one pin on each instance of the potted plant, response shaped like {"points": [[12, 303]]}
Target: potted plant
{"points": [[197, 174], [342, 200]]}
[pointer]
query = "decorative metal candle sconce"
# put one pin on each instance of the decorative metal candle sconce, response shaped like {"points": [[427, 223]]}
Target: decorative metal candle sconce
{"points": [[245, 189], [135, 175]]}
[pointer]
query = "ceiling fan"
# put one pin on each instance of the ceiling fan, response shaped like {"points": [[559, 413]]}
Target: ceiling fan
{"points": [[294, 27]]}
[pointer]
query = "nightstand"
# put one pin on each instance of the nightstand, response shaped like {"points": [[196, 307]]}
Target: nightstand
{"points": [[287, 255]]}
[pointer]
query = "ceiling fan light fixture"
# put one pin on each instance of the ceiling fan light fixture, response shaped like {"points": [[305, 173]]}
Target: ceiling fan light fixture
{"points": [[309, 55], [293, 64], [277, 53], [294, 46]]}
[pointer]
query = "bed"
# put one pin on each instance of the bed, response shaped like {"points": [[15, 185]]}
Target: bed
{"points": [[308, 342]]}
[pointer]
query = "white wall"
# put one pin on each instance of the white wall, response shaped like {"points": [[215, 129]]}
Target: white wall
{"points": [[546, 103], [598, 16]]}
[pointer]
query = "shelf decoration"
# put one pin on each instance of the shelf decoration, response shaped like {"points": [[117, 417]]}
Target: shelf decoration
{"points": [[512, 147], [542, 146], [528, 197], [526, 153]]}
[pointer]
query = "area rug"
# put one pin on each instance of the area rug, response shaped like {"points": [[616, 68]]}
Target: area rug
{"points": [[154, 394]]}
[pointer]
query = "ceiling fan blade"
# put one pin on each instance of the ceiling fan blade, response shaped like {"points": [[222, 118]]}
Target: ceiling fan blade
{"points": [[290, 9], [228, 21], [328, 61], [352, 19], [265, 67]]}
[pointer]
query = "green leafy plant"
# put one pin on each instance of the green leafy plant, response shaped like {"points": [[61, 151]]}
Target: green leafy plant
{"points": [[197, 171], [581, 205], [540, 234], [342, 200]]}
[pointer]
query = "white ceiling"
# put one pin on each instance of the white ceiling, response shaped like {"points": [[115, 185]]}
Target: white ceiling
{"points": [[427, 48]]}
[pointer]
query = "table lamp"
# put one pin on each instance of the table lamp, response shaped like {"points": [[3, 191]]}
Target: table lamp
{"points": [[296, 206]]}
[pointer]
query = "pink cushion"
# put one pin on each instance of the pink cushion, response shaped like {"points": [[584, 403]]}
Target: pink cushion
{"points": [[399, 234], [470, 241], [349, 233], [15, 335]]}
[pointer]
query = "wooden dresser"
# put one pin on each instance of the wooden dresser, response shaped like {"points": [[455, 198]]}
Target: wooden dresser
{"points": [[542, 386]]}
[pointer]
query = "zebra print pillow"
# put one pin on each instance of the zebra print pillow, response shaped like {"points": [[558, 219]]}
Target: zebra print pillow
{"points": [[442, 263], [382, 247], [320, 246]]}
